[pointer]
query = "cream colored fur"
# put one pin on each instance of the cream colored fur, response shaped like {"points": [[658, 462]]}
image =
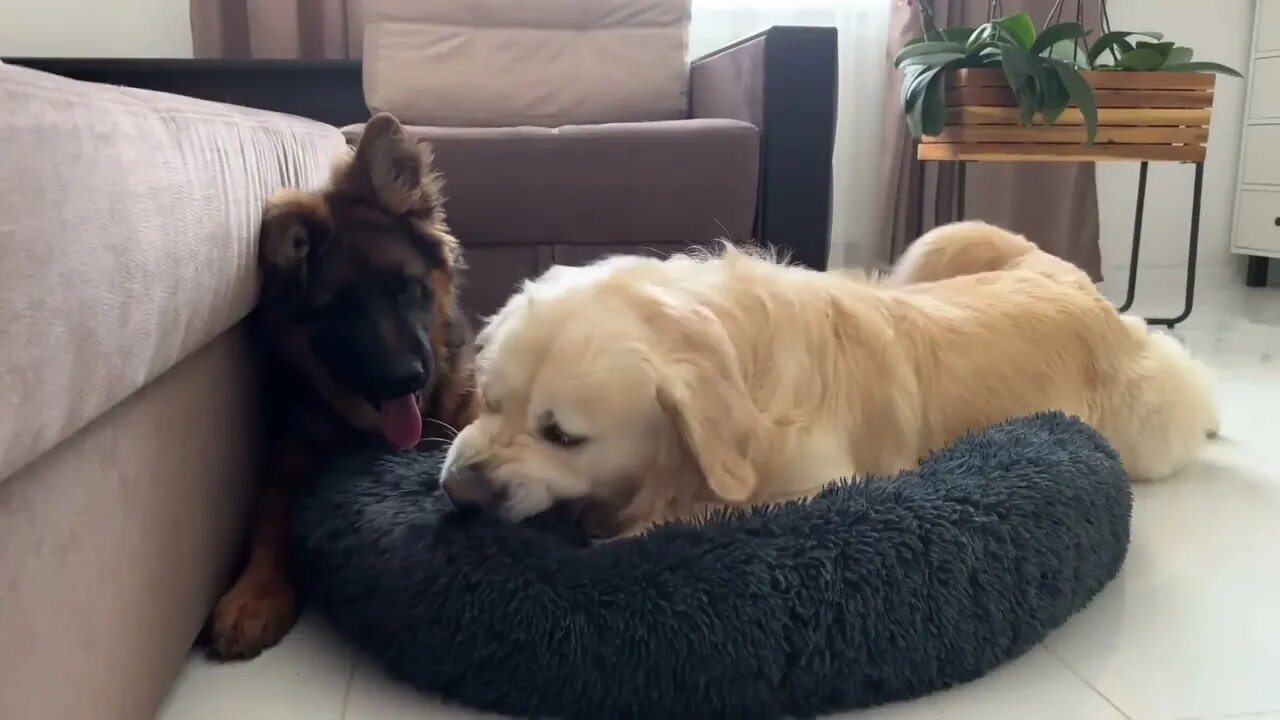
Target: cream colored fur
{"points": [[733, 379]]}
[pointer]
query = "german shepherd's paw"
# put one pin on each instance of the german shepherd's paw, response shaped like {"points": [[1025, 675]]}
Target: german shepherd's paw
{"points": [[253, 616]]}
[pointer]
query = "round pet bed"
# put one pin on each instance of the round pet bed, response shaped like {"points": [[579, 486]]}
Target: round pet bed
{"points": [[869, 593]]}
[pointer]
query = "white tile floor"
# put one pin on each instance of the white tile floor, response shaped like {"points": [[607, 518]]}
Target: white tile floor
{"points": [[1191, 629]]}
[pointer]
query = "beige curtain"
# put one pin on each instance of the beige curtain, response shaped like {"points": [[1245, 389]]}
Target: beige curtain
{"points": [[1054, 204], [299, 29]]}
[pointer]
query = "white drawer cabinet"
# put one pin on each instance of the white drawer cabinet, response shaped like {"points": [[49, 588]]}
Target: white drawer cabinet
{"points": [[1256, 230], [1264, 89], [1268, 27], [1261, 159], [1258, 221]]}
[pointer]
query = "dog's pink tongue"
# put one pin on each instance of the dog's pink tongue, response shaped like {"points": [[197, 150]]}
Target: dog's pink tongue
{"points": [[401, 422]]}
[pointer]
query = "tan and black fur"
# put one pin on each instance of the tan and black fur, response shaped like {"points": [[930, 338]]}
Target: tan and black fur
{"points": [[358, 303]]}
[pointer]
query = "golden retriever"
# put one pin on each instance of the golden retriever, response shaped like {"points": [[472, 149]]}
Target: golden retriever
{"points": [[653, 389]]}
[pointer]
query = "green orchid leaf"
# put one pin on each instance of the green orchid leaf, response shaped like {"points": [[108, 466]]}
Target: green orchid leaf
{"points": [[982, 47], [989, 59], [1162, 49], [909, 95], [1020, 28], [1016, 63], [1081, 93], [958, 33], [913, 122], [912, 127], [927, 48], [1055, 100], [914, 97], [914, 85], [1178, 56], [1054, 34], [973, 61], [933, 118], [936, 60], [1028, 104], [984, 35], [1042, 76], [1118, 39], [1200, 66], [1070, 51], [1141, 59]]}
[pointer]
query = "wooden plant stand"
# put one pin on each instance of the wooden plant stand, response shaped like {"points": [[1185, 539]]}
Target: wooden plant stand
{"points": [[1142, 117]]}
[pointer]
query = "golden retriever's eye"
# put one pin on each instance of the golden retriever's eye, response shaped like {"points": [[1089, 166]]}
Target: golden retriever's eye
{"points": [[554, 434]]}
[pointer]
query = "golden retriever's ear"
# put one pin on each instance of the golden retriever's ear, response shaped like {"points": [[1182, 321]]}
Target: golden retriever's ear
{"points": [[397, 172], [295, 226], [701, 386]]}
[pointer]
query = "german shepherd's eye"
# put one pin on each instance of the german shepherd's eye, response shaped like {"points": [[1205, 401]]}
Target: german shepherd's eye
{"points": [[341, 306], [554, 434], [409, 293]]}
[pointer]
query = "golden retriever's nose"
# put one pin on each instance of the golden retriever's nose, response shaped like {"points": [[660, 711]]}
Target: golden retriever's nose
{"points": [[468, 487]]}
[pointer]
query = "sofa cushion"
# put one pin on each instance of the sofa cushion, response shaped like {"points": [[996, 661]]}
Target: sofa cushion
{"points": [[616, 184], [128, 233], [521, 62], [520, 199]]}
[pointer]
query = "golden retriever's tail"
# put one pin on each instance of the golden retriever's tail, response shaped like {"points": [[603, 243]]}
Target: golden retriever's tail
{"points": [[969, 248]]}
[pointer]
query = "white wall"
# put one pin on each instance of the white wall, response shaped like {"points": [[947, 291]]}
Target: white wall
{"points": [[1218, 30], [95, 28]]}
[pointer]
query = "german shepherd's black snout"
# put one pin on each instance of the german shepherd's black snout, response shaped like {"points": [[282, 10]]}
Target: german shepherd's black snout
{"points": [[406, 377], [372, 340]]}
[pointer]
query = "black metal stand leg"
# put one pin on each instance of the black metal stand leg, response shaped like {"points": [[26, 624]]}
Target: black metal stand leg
{"points": [[961, 180], [921, 167], [1137, 239], [1192, 250], [1255, 275]]}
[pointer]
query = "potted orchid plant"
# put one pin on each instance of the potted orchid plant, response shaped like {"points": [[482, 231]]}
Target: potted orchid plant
{"points": [[1019, 89]]}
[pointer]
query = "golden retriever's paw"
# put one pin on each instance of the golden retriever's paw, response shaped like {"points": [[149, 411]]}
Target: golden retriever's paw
{"points": [[255, 615]]}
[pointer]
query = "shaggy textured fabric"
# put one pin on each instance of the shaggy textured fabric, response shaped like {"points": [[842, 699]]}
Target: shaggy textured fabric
{"points": [[869, 593]]}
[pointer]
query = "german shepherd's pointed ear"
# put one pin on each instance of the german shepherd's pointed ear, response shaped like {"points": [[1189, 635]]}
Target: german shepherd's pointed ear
{"points": [[397, 172], [700, 385], [295, 226]]}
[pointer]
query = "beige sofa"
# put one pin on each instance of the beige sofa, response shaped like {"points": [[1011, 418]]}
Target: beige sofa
{"points": [[128, 442]]}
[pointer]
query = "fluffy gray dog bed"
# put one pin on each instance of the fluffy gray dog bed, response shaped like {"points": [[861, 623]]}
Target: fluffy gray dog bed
{"points": [[871, 592]]}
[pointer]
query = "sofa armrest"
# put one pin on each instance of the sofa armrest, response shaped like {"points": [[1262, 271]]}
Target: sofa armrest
{"points": [[330, 91], [130, 228], [783, 80]]}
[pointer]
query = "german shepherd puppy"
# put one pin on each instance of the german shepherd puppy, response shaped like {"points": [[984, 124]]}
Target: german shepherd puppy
{"points": [[364, 341]]}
